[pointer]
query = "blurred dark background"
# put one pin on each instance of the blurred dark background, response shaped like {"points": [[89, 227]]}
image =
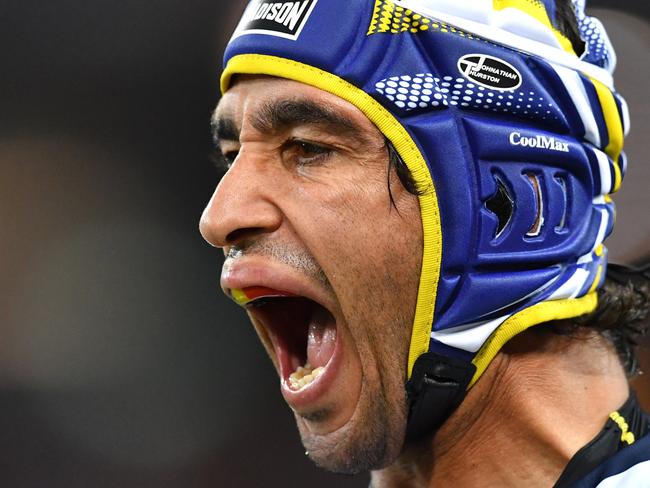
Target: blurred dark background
{"points": [[121, 365]]}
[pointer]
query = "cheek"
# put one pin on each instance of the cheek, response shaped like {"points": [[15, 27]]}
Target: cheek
{"points": [[371, 252], [363, 239]]}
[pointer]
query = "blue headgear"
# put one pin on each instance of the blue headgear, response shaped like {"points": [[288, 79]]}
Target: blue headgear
{"points": [[514, 141]]}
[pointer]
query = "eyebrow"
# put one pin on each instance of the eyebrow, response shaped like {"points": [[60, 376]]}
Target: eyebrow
{"points": [[224, 129], [276, 116]]}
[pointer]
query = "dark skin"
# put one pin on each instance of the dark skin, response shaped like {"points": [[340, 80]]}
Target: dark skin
{"points": [[305, 194]]}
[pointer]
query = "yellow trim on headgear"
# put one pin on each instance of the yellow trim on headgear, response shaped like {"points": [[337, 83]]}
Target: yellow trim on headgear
{"points": [[537, 314], [390, 18], [404, 145], [614, 128], [536, 10], [626, 435], [596, 282]]}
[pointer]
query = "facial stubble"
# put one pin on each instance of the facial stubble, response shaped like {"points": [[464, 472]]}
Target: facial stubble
{"points": [[375, 435], [369, 441], [357, 448]]}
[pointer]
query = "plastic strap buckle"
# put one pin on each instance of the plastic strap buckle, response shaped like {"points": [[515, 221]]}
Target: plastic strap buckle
{"points": [[437, 386]]}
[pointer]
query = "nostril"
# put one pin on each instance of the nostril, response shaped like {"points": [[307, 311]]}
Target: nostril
{"points": [[239, 235], [243, 206]]}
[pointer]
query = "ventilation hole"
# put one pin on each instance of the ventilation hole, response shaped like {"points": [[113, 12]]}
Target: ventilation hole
{"points": [[562, 182], [501, 205], [538, 223]]}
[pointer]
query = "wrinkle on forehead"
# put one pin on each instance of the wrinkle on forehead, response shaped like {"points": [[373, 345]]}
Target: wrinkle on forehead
{"points": [[272, 105], [281, 114]]}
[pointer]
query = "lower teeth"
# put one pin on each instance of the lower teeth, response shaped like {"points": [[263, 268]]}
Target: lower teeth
{"points": [[304, 375]]}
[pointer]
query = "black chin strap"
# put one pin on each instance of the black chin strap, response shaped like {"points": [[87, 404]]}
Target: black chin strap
{"points": [[437, 386]]}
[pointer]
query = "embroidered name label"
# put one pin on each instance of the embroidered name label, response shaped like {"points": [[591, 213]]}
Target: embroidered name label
{"points": [[280, 19], [489, 71]]}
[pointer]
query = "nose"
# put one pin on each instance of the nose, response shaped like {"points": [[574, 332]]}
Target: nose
{"points": [[242, 205]]}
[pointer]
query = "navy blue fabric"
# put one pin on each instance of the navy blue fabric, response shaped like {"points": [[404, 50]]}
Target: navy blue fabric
{"points": [[620, 462], [465, 141]]}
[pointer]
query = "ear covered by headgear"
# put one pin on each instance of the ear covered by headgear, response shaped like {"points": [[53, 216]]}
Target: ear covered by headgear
{"points": [[513, 139]]}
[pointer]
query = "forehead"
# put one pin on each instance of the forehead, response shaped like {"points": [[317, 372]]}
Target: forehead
{"points": [[251, 95]]}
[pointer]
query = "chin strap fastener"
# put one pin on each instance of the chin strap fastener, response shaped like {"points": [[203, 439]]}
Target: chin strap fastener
{"points": [[437, 386]]}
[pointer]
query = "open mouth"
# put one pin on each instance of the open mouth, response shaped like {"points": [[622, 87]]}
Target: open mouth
{"points": [[302, 331]]}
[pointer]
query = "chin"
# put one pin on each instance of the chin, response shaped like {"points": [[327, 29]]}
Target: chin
{"points": [[372, 438]]}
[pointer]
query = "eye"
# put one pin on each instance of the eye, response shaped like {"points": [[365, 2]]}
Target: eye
{"points": [[302, 153], [223, 160], [229, 158]]}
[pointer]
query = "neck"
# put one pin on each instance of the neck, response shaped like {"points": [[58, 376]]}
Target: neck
{"points": [[543, 398]]}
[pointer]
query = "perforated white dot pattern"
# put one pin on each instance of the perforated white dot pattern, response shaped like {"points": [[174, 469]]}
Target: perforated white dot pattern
{"points": [[424, 90], [596, 49]]}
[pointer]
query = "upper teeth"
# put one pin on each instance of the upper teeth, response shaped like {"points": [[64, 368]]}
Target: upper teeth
{"points": [[304, 375]]}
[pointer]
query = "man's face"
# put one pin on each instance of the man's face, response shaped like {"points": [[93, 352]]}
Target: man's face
{"points": [[305, 210]]}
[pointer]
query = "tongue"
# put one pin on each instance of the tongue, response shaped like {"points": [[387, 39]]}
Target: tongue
{"points": [[321, 338]]}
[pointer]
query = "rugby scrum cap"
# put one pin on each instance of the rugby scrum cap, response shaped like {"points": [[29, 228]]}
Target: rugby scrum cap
{"points": [[514, 141]]}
